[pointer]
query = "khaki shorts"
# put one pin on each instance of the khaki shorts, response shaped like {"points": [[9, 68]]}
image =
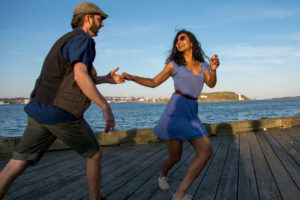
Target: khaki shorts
{"points": [[38, 138]]}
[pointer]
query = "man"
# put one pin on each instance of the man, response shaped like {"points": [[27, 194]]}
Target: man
{"points": [[62, 93]]}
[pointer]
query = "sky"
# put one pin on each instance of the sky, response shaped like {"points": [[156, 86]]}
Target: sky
{"points": [[257, 41]]}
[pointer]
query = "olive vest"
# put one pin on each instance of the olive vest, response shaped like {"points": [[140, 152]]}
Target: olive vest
{"points": [[56, 84]]}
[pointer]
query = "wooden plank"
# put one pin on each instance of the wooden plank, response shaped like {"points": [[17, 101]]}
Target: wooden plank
{"points": [[286, 186], [208, 187], [47, 179], [286, 145], [111, 158], [131, 172], [215, 142], [125, 163], [267, 187], [288, 162], [148, 170], [178, 175], [227, 189], [294, 133], [110, 173], [124, 184], [150, 188], [147, 189], [47, 170], [247, 187], [3, 162], [67, 191], [158, 194], [288, 139]]}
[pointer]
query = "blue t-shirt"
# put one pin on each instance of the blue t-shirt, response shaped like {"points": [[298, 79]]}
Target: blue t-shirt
{"points": [[79, 48]]}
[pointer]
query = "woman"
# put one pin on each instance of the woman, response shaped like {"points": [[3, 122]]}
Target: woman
{"points": [[179, 121]]}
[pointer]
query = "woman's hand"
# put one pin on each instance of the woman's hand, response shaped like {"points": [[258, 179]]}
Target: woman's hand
{"points": [[214, 62], [127, 76]]}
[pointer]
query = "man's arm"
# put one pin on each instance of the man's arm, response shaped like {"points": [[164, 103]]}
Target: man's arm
{"points": [[88, 87]]}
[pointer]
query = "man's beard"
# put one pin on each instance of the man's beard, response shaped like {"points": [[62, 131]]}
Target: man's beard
{"points": [[94, 29]]}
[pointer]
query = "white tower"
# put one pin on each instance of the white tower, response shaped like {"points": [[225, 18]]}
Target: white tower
{"points": [[240, 97]]}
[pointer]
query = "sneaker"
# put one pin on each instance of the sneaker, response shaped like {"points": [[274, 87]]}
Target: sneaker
{"points": [[186, 197], [163, 183]]}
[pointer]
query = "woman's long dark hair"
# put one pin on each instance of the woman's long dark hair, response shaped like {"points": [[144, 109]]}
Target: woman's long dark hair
{"points": [[178, 57]]}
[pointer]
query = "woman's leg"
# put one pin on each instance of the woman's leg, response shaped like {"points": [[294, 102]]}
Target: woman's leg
{"points": [[204, 153], [175, 151]]}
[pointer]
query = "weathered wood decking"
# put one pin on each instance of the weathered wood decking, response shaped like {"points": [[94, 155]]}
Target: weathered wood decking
{"points": [[250, 165]]}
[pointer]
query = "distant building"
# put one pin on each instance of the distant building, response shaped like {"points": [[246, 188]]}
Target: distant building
{"points": [[26, 101]]}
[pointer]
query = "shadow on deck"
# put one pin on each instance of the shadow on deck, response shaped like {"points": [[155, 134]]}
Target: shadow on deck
{"points": [[246, 165]]}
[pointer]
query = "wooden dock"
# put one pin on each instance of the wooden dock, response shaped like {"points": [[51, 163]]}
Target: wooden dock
{"points": [[248, 165]]}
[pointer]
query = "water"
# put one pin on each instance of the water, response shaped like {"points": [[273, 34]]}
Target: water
{"points": [[139, 115]]}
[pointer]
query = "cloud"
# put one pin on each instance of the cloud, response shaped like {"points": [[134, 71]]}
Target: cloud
{"points": [[242, 67], [258, 11], [264, 60], [288, 36], [257, 59], [272, 54], [130, 30], [108, 52]]}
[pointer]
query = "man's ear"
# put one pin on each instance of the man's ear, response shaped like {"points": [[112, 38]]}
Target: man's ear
{"points": [[87, 18]]}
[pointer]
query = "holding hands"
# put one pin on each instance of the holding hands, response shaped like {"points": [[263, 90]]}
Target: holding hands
{"points": [[214, 62], [114, 78], [127, 76]]}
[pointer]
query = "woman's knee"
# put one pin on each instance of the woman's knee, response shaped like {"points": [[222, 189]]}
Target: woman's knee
{"points": [[209, 152], [175, 158], [205, 150]]}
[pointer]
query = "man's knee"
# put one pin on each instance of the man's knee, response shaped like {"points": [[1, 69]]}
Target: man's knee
{"points": [[98, 155], [18, 165]]}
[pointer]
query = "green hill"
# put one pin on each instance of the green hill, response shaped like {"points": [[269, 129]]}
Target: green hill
{"points": [[221, 96]]}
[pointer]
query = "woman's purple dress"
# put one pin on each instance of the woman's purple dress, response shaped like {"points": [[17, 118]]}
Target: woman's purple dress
{"points": [[179, 120]]}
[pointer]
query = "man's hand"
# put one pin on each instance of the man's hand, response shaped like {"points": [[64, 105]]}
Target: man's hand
{"points": [[109, 119], [214, 62], [114, 78]]}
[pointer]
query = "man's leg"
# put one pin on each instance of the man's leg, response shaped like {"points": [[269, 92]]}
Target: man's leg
{"points": [[33, 144], [79, 136], [93, 174], [10, 172]]}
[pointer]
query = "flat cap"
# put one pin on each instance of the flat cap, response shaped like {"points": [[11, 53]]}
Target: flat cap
{"points": [[89, 8]]}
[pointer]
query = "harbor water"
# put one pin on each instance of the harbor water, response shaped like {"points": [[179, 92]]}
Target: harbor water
{"points": [[13, 119]]}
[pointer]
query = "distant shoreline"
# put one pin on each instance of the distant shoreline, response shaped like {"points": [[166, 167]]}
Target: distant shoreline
{"points": [[204, 97]]}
